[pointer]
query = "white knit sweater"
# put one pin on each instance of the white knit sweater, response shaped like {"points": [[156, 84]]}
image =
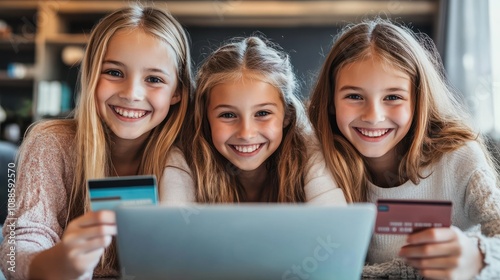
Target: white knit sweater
{"points": [[463, 177], [177, 186]]}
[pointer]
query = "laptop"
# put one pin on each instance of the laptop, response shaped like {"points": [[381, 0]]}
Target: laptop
{"points": [[277, 241]]}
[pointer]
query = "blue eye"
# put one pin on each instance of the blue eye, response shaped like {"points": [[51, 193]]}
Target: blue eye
{"points": [[227, 115], [112, 72], [354, 96], [393, 97], [262, 113], [154, 80]]}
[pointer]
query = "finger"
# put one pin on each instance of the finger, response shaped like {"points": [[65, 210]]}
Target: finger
{"points": [[90, 248], [431, 250], [84, 263], [98, 243], [83, 234], [434, 263], [99, 217], [92, 219], [432, 235]]}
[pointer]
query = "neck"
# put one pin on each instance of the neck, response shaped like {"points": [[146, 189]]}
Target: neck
{"points": [[254, 183], [384, 170], [126, 155]]}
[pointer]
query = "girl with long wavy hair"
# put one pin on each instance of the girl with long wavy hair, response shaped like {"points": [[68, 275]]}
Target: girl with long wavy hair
{"points": [[135, 85], [252, 141], [390, 127]]}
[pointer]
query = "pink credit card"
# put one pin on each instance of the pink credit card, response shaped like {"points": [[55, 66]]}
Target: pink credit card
{"points": [[404, 216]]}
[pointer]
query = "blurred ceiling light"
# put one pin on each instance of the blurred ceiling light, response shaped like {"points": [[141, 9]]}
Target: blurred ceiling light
{"points": [[72, 55]]}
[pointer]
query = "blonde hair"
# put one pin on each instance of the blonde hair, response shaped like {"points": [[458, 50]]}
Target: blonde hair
{"points": [[92, 158], [215, 176], [437, 126]]}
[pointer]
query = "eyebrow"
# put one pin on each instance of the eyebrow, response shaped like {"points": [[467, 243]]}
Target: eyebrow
{"points": [[155, 70], [350, 88], [392, 89], [226, 106]]}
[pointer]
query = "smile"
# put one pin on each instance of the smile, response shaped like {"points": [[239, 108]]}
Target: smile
{"points": [[246, 148], [373, 133], [129, 113]]}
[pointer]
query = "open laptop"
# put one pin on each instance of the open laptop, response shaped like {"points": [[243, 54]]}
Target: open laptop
{"points": [[287, 242]]}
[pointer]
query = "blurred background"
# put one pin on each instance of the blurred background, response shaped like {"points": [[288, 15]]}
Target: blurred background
{"points": [[41, 44]]}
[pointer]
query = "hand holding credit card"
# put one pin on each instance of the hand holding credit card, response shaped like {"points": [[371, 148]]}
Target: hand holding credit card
{"points": [[400, 216], [109, 193]]}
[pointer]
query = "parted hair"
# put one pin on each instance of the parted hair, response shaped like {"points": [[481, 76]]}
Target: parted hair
{"points": [[215, 177], [437, 126]]}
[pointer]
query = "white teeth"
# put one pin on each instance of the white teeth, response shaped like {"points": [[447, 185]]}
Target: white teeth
{"points": [[373, 133], [247, 149], [133, 114]]}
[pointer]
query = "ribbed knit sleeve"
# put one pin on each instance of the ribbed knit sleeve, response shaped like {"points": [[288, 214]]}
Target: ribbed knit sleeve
{"points": [[394, 269], [483, 205]]}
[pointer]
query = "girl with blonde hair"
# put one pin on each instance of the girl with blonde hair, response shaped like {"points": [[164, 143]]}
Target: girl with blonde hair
{"points": [[135, 84], [252, 140], [390, 127]]}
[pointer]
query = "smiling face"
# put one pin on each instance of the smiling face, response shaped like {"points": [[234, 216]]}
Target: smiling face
{"points": [[246, 119], [137, 83], [373, 106]]}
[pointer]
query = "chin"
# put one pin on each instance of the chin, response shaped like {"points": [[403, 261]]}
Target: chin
{"points": [[128, 136], [245, 168], [372, 154]]}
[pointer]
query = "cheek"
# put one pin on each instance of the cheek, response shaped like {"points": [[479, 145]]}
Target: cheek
{"points": [[160, 100], [100, 91], [342, 117], [405, 116], [101, 96], [275, 129], [219, 133]]}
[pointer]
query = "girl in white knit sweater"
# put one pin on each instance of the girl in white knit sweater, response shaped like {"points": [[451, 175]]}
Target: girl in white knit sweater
{"points": [[390, 128]]}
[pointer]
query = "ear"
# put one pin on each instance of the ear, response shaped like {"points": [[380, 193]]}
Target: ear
{"points": [[286, 121], [176, 97]]}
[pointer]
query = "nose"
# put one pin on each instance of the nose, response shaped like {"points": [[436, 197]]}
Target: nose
{"points": [[247, 129], [373, 113], [133, 90]]}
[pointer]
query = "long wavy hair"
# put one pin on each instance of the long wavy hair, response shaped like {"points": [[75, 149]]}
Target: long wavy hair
{"points": [[92, 157], [437, 126], [215, 177]]}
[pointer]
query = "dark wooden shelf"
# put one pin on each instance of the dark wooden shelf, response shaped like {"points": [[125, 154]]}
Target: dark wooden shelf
{"points": [[17, 43], [14, 82], [67, 39]]}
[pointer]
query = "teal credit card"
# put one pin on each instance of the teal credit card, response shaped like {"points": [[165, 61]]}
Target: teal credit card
{"points": [[111, 192]]}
